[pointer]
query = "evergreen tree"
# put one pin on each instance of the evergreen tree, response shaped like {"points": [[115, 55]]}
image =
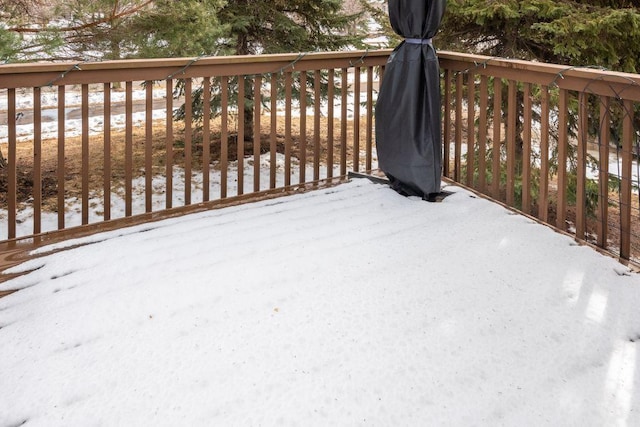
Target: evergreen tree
{"points": [[587, 33], [377, 10], [283, 26], [277, 26], [77, 30], [598, 33], [20, 25], [602, 33], [84, 30], [178, 29]]}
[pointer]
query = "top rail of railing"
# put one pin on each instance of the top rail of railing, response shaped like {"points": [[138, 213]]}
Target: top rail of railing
{"points": [[594, 80], [66, 73]]}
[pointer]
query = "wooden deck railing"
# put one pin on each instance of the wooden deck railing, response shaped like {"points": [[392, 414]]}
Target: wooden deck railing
{"points": [[558, 143], [91, 143]]}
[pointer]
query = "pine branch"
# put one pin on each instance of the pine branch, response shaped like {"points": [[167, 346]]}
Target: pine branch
{"points": [[108, 19]]}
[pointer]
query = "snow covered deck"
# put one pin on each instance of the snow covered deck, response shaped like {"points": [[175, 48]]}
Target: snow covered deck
{"points": [[344, 306]]}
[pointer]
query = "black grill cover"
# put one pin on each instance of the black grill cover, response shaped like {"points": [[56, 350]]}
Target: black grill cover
{"points": [[408, 134]]}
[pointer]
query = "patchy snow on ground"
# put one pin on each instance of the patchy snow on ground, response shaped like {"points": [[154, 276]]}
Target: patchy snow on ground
{"points": [[344, 306], [73, 206], [73, 100]]}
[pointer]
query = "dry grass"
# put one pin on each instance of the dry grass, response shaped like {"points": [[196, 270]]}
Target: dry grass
{"points": [[73, 155]]}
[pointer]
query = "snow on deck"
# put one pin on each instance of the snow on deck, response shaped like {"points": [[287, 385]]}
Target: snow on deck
{"points": [[344, 306]]}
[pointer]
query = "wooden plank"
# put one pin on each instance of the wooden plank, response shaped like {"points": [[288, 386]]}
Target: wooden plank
{"points": [[317, 96], [303, 127], [457, 158], [526, 149], [257, 130], [482, 134], [288, 88], [37, 160], [106, 133], [511, 141], [626, 184], [188, 139], [563, 141], [330, 118], [12, 158], [598, 82], [581, 172], [61, 176], [169, 145], [446, 132], [343, 122], [603, 176], [369, 133], [148, 147], [543, 195], [356, 118], [85, 154], [32, 75], [273, 142], [128, 149], [224, 136], [471, 128], [206, 139], [497, 127]]}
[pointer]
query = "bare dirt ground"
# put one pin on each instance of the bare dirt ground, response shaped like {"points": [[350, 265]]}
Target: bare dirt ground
{"points": [[73, 156]]}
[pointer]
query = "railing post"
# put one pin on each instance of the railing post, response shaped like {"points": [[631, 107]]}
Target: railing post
{"points": [[206, 138], [543, 195], [85, 154], [224, 136], [128, 150], [317, 95], [273, 147], [61, 175], [446, 132], [303, 127], [482, 134], [356, 118], [188, 138], [331, 91], [169, 144], [343, 120], [526, 150], [12, 159], [497, 127], [106, 133], [603, 178], [240, 134], [627, 161], [37, 160], [562, 160], [148, 147], [257, 130], [511, 141], [369, 134], [581, 173], [471, 128], [288, 83], [457, 168]]}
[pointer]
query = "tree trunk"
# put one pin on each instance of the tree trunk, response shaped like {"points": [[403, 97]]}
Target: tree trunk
{"points": [[248, 110], [242, 48]]}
